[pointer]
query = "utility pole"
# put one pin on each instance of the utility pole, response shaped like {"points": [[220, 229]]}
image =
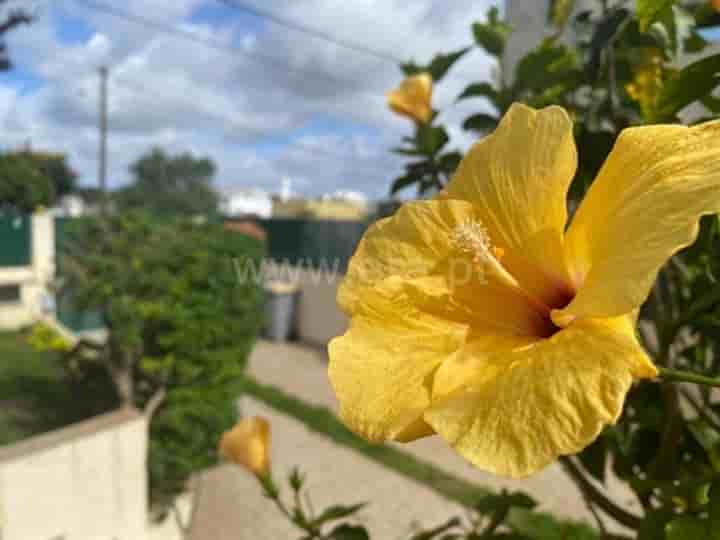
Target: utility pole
{"points": [[102, 157]]}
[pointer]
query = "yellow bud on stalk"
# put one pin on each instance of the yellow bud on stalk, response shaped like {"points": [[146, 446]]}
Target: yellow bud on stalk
{"points": [[412, 98], [248, 445]]}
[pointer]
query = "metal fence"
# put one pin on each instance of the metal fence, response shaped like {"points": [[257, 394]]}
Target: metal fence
{"points": [[15, 241]]}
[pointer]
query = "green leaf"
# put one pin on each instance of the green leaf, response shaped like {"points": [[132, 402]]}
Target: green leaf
{"points": [[559, 12], [443, 62], [605, 34], [708, 438], [479, 90], [648, 11], [686, 528], [296, 479], [406, 151], [339, 511], [490, 504], [404, 181], [714, 510], [492, 35], [546, 66], [695, 82], [653, 524], [349, 532], [449, 162], [480, 122], [432, 533], [431, 139], [438, 66], [594, 458]]}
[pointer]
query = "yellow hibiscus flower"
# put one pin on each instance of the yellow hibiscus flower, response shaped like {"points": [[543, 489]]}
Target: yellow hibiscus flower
{"points": [[248, 445], [412, 98], [527, 355]]}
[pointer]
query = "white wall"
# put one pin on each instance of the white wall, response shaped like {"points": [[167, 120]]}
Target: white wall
{"points": [[84, 482]]}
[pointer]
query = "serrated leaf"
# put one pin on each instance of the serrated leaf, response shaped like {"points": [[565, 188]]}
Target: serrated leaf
{"points": [[648, 11], [480, 122], [479, 90]]}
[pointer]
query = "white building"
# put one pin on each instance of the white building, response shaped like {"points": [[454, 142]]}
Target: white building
{"points": [[70, 206], [246, 202]]}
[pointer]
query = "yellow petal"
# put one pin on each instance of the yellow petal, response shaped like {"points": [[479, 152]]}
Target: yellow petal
{"points": [[518, 178], [413, 98], [248, 444], [409, 244], [381, 368], [643, 207], [527, 406], [418, 242]]}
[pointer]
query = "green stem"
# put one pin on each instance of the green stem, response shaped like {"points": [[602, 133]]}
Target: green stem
{"points": [[676, 375]]}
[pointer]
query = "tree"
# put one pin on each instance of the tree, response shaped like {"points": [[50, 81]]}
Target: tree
{"points": [[180, 327], [14, 18], [33, 179], [23, 188], [170, 185]]}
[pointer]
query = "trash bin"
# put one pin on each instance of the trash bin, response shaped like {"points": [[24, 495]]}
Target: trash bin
{"points": [[281, 300]]}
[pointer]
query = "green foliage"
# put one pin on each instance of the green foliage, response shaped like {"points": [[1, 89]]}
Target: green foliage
{"points": [[29, 180], [180, 329], [167, 185], [23, 188], [492, 34], [649, 11], [438, 66]]}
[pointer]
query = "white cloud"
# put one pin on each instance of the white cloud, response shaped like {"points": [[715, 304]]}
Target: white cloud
{"points": [[316, 113]]}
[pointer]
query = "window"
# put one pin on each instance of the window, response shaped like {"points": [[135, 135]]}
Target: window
{"points": [[9, 294]]}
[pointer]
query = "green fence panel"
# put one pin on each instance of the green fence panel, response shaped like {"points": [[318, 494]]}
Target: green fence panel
{"points": [[15, 241], [322, 244], [67, 312]]}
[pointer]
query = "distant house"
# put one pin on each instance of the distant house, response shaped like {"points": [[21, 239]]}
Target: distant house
{"points": [[246, 202]]}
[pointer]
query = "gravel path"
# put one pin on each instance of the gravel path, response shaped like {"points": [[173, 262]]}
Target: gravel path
{"points": [[231, 506]]}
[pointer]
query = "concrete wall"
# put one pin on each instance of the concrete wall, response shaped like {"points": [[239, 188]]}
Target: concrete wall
{"points": [[319, 317], [34, 280], [84, 482]]}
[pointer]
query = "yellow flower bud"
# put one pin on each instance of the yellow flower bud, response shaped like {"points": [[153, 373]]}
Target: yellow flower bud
{"points": [[412, 98], [248, 444]]}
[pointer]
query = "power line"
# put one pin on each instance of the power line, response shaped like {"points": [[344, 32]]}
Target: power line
{"points": [[272, 61], [293, 25]]}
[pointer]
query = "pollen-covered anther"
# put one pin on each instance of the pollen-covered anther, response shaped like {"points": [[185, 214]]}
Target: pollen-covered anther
{"points": [[472, 237]]}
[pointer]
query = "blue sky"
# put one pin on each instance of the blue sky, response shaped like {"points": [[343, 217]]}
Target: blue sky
{"points": [[268, 104]]}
